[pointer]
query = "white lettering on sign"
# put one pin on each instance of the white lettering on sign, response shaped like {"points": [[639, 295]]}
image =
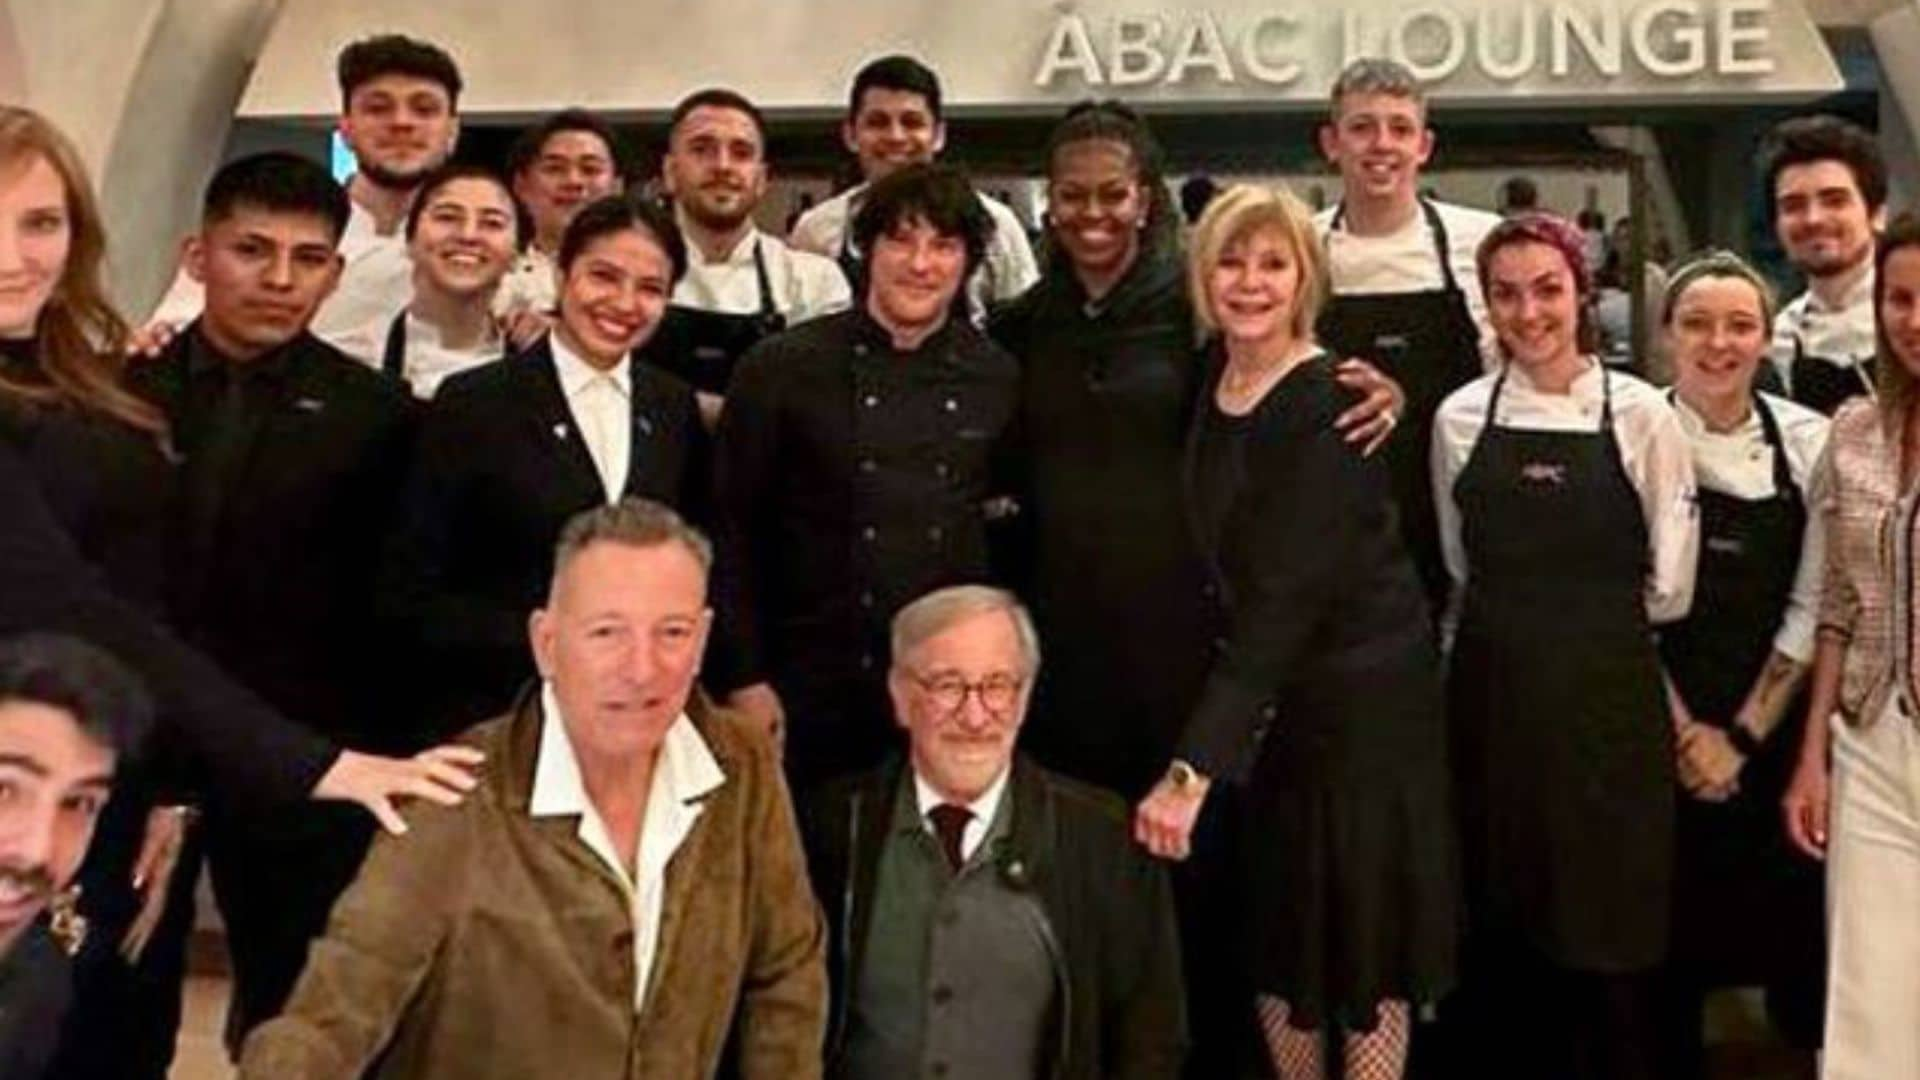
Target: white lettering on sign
{"points": [[1202, 49], [1253, 55], [1438, 39]]}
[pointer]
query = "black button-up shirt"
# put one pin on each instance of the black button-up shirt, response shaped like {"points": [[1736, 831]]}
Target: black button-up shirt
{"points": [[853, 477]]}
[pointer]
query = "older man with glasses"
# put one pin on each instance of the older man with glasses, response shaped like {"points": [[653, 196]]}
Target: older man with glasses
{"points": [[990, 918]]}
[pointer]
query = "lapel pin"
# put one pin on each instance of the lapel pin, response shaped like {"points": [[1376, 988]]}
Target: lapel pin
{"points": [[560, 431], [645, 425]]}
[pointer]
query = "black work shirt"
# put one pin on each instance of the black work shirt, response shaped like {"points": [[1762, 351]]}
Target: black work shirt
{"points": [[853, 477]]}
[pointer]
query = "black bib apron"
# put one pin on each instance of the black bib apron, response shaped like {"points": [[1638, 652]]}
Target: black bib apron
{"points": [[1738, 890], [1429, 344], [1824, 385], [1561, 738], [703, 347]]}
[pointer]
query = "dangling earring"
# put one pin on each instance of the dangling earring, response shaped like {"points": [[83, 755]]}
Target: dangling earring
{"points": [[64, 921]]}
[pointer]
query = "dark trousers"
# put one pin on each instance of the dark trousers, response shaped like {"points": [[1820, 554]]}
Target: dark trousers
{"points": [[1518, 1014], [125, 1018], [276, 874]]}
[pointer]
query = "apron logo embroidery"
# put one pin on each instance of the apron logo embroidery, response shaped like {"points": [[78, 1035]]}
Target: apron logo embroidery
{"points": [[1726, 545], [1542, 472]]}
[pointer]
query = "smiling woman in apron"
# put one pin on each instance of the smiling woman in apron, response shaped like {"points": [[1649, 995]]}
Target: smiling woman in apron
{"points": [[1565, 499], [1746, 907], [461, 232], [1863, 713]]}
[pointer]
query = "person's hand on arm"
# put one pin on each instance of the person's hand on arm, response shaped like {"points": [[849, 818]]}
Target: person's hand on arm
{"points": [[1373, 419]]}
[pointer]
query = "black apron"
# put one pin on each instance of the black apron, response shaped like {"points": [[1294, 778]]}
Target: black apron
{"points": [[1739, 893], [703, 347], [1429, 344], [1824, 385], [1561, 738]]}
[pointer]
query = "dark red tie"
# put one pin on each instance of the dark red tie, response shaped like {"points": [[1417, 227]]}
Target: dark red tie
{"points": [[950, 824]]}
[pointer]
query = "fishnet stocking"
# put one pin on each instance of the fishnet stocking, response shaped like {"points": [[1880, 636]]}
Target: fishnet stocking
{"points": [[1380, 1054], [1296, 1054]]}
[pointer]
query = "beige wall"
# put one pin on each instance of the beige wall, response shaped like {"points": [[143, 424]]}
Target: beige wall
{"points": [[149, 99]]}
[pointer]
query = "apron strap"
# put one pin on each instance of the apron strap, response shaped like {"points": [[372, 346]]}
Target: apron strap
{"points": [[765, 284], [1442, 246], [1783, 482], [393, 361]]}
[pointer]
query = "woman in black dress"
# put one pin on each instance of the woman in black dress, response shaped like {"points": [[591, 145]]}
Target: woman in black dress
{"points": [[85, 477], [1746, 907], [1566, 509], [1323, 696]]}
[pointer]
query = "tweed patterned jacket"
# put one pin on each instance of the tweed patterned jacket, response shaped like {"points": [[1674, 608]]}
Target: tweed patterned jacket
{"points": [[1867, 597]]}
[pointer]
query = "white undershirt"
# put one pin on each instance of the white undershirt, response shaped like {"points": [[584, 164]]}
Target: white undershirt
{"points": [[802, 285], [1841, 335], [428, 361]]}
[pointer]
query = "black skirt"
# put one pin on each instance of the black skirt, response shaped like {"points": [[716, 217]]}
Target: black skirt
{"points": [[1349, 852]]}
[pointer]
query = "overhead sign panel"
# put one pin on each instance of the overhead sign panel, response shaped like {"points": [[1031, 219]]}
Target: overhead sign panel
{"points": [[798, 55]]}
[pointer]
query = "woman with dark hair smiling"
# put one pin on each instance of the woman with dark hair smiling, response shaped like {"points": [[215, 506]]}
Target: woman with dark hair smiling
{"points": [[1566, 508], [1860, 723], [511, 450]]}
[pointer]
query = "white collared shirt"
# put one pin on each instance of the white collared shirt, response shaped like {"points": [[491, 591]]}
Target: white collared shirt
{"points": [[428, 361], [1008, 270], [375, 287], [1403, 262], [984, 808], [803, 285], [1653, 449], [1841, 335], [530, 284], [1739, 463], [602, 406], [684, 773]]}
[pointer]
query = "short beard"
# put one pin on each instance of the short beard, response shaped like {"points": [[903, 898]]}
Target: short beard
{"points": [[719, 223], [394, 181], [1828, 268]]}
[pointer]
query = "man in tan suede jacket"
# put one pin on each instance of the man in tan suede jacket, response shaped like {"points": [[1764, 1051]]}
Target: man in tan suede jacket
{"points": [[623, 892]]}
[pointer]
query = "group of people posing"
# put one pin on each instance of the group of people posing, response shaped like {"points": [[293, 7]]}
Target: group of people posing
{"points": [[1415, 683]]}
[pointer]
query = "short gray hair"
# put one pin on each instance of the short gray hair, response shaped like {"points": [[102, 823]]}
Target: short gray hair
{"points": [[640, 523], [1377, 75], [942, 609]]}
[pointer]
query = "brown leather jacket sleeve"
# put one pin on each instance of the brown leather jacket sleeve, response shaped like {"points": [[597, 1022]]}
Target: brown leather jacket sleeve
{"points": [[380, 945], [783, 1010]]}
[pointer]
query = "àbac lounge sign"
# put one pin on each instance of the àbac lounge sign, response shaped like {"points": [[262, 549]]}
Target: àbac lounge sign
{"points": [[1485, 52]]}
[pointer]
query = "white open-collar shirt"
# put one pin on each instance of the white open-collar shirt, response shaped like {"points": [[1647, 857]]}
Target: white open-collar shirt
{"points": [[684, 773]]}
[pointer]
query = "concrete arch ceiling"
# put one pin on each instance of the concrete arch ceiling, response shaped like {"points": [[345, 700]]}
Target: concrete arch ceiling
{"points": [[147, 89], [639, 57]]}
